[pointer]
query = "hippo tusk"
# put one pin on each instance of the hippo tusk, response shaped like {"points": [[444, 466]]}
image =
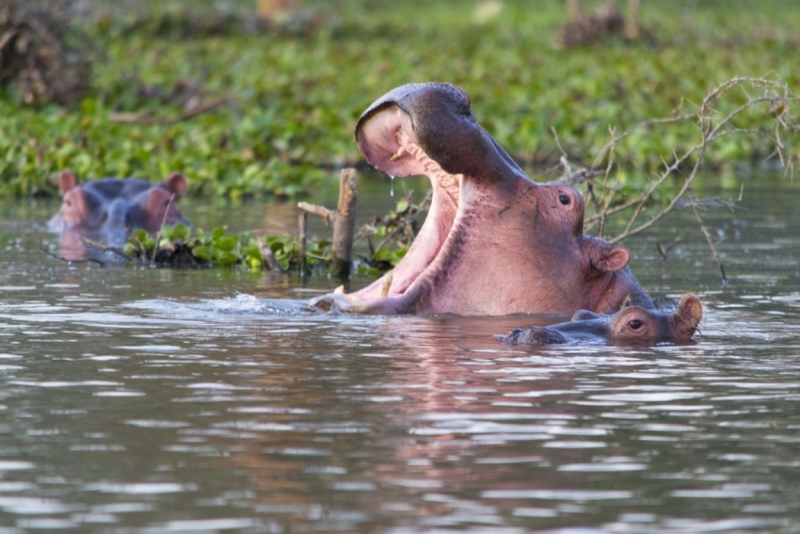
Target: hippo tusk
{"points": [[387, 284], [397, 155]]}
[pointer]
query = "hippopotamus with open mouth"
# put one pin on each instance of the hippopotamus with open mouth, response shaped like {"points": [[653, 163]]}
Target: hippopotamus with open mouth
{"points": [[494, 241], [109, 209], [630, 325]]}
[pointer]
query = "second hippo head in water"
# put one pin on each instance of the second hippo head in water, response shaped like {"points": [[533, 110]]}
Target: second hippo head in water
{"points": [[632, 325], [109, 209]]}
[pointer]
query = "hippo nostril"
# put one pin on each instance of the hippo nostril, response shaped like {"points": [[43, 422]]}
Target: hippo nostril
{"points": [[564, 199], [463, 93]]}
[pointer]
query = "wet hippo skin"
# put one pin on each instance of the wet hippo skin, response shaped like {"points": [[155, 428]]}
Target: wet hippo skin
{"points": [[109, 209], [494, 242], [630, 325]]}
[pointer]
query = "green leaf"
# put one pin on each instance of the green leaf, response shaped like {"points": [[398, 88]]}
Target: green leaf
{"points": [[181, 232], [384, 254], [140, 234], [227, 244], [226, 258], [252, 251], [201, 252]]}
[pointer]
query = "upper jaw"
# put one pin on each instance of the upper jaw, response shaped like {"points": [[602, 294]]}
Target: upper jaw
{"points": [[436, 119]]}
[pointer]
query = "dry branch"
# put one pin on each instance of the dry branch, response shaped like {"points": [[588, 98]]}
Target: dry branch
{"points": [[710, 242], [104, 248], [316, 209], [302, 239], [711, 125], [344, 223], [269, 257], [145, 118], [343, 219], [67, 260]]}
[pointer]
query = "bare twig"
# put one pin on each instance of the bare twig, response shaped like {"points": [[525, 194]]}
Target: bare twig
{"points": [[709, 133], [6, 38], [302, 237], [145, 118], [711, 125], [269, 257], [160, 228], [344, 223], [400, 229], [343, 219], [104, 248], [709, 240], [62, 258], [664, 251], [402, 224], [316, 209]]}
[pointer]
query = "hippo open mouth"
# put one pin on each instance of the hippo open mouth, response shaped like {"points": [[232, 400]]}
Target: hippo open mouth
{"points": [[400, 155], [494, 242]]}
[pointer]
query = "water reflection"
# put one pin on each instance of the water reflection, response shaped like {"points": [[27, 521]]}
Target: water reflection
{"points": [[145, 400]]}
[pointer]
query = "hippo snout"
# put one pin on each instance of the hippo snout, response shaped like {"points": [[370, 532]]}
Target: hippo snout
{"points": [[537, 336]]}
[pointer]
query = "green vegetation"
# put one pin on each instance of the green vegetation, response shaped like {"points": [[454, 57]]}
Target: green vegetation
{"points": [[181, 246], [285, 99]]}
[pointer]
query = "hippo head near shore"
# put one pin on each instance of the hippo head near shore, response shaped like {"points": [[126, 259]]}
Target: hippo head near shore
{"points": [[632, 325], [109, 209], [494, 241]]}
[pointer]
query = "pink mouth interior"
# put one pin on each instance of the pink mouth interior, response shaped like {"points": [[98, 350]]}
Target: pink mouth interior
{"points": [[400, 154]]}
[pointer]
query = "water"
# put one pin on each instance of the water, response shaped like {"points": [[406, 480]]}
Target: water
{"points": [[153, 400]]}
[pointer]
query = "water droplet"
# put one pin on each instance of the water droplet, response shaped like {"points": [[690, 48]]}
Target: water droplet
{"points": [[391, 189]]}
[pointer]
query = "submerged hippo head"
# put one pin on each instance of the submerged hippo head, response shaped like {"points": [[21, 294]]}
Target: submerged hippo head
{"points": [[494, 242], [630, 325], [110, 208]]}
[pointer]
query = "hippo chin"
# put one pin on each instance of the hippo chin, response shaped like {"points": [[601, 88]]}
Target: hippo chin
{"points": [[108, 210], [629, 326], [494, 242]]}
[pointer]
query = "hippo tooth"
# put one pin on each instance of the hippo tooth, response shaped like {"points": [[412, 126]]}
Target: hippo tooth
{"points": [[400, 152], [448, 182], [387, 284]]}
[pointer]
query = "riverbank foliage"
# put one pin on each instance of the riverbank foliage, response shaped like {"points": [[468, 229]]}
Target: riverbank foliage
{"points": [[245, 107], [384, 239]]}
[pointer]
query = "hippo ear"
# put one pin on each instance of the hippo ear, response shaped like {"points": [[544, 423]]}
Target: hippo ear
{"points": [[67, 181], [690, 311], [175, 184], [612, 260]]}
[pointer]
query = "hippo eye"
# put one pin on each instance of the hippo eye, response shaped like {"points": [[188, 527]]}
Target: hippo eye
{"points": [[636, 324], [564, 199]]}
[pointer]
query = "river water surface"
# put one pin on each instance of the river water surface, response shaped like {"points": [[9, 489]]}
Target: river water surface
{"points": [[158, 400]]}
